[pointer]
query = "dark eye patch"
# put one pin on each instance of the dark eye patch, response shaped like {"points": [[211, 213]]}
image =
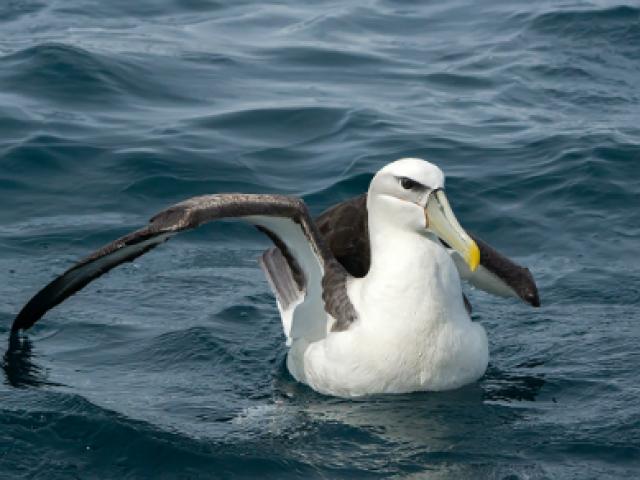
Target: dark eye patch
{"points": [[409, 184]]}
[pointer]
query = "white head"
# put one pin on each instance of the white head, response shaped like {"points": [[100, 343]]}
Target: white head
{"points": [[408, 195]]}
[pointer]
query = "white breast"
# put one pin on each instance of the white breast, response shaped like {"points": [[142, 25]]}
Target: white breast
{"points": [[413, 331]]}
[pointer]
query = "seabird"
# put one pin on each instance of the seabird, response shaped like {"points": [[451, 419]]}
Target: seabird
{"points": [[369, 293]]}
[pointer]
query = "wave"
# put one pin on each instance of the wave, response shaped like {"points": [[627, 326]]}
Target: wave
{"points": [[589, 22], [174, 365], [72, 76]]}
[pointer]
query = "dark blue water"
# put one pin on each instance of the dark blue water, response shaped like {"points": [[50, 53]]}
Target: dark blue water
{"points": [[172, 367]]}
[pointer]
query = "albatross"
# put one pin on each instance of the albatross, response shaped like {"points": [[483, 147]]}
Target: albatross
{"points": [[369, 293]]}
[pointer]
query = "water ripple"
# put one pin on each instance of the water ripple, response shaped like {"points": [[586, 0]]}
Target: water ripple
{"points": [[173, 366]]}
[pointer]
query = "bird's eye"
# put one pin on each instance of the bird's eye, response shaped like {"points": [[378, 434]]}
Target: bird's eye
{"points": [[407, 183]]}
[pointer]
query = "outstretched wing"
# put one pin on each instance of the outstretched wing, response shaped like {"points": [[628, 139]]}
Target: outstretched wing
{"points": [[345, 230], [285, 220]]}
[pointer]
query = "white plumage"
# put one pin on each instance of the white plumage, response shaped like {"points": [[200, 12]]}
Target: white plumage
{"points": [[413, 332], [401, 327]]}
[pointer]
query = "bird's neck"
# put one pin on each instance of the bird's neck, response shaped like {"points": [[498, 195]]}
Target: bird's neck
{"points": [[411, 276], [400, 257]]}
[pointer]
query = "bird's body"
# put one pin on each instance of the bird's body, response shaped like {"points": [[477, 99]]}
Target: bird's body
{"points": [[369, 294], [414, 332]]}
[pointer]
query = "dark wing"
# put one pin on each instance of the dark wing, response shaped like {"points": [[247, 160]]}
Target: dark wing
{"points": [[498, 275], [286, 220], [345, 230]]}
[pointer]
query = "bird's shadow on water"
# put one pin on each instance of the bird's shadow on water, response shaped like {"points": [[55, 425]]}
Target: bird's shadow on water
{"points": [[19, 367]]}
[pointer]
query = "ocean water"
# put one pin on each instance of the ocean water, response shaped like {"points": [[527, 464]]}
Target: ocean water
{"points": [[172, 366]]}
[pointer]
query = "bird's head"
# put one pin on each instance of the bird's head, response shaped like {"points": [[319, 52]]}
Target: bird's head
{"points": [[409, 194]]}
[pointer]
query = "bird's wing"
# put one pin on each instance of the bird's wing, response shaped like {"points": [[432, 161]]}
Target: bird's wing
{"points": [[285, 285], [285, 220], [498, 275], [345, 230]]}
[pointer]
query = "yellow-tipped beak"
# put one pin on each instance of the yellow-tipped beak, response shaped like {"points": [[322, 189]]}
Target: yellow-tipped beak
{"points": [[442, 221]]}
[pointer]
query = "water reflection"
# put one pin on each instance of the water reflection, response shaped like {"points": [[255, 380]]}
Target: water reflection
{"points": [[18, 364], [436, 420], [453, 434], [498, 385]]}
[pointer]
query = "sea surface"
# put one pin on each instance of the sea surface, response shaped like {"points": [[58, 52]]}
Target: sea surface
{"points": [[173, 366]]}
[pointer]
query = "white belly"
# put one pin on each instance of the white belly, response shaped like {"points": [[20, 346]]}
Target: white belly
{"points": [[413, 334], [360, 363]]}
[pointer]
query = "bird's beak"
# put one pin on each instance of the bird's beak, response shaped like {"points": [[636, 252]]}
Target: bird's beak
{"points": [[442, 222]]}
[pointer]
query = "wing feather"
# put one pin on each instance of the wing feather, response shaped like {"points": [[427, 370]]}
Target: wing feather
{"points": [[345, 230], [284, 217]]}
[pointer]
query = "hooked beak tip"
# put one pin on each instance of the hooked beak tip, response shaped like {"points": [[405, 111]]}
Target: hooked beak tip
{"points": [[474, 257]]}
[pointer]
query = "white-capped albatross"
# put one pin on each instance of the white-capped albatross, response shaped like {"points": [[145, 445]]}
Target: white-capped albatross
{"points": [[369, 294]]}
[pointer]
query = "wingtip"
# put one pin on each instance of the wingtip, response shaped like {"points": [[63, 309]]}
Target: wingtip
{"points": [[15, 330], [19, 324], [534, 301], [25, 319], [531, 295]]}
